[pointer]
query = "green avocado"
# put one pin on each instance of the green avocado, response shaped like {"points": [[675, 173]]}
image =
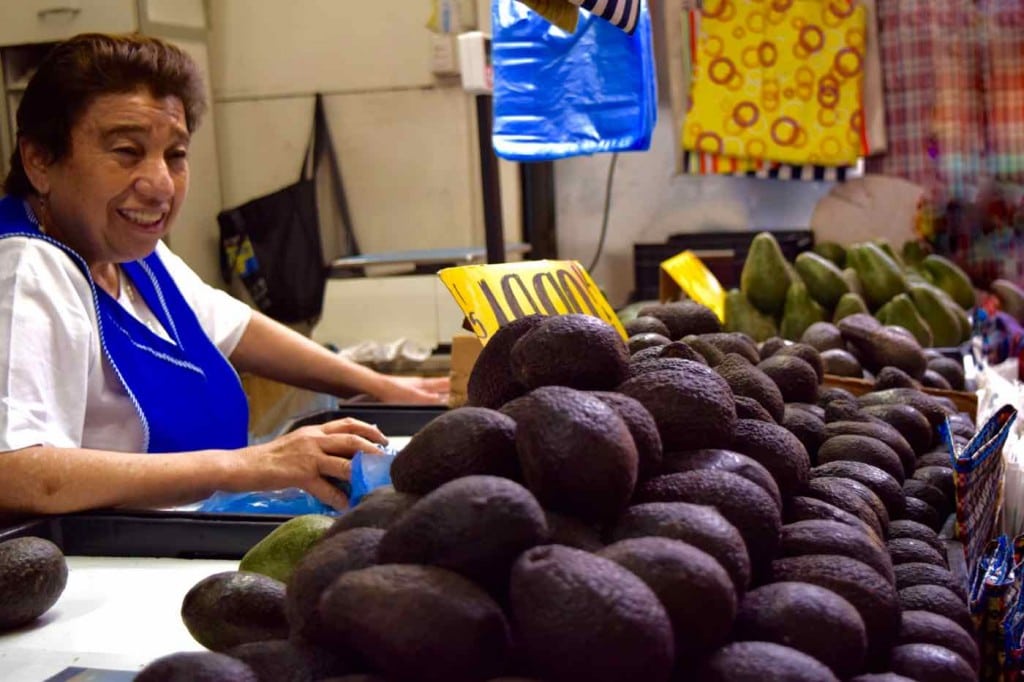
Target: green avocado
{"points": [[765, 276], [824, 280], [947, 275], [742, 316], [276, 554], [881, 276]]}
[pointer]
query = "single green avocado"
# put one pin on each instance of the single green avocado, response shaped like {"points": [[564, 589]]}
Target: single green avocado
{"points": [[765, 276], [800, 311], [881, 276], [824, 280], [903, 313], [742, 316], [836, 253], [275, 555], [849, 304], [947, 275]]}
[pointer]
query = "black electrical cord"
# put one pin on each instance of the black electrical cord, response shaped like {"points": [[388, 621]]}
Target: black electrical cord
{"points": [[607, 211]]}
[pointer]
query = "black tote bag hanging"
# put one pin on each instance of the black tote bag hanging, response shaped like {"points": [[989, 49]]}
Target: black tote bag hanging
{"points": [[272, 243]]}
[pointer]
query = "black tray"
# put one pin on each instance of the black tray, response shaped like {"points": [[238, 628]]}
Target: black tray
{"points": [[171, 534], [191, 534], [392, 420]]}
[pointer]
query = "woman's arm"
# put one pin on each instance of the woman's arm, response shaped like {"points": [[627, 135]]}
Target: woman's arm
{"points": [[49, 480], [274, 351]]}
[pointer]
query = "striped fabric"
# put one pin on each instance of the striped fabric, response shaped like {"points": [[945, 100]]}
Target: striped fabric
{"points": [[621, 13], [698, 163]]}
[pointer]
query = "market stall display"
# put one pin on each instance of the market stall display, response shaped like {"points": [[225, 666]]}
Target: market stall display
{"points": [[646, 518], [923, 293]]}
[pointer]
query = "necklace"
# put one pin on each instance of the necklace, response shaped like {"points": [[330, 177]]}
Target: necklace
{"points": [[126, 284]]}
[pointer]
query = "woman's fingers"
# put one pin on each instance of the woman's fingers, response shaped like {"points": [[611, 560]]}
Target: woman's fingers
{"points": [[436, 384], [355, 426], [346, 444], [328, 494], [337, 467]]}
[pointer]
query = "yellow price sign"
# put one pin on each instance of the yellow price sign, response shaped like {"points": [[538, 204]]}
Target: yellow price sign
{"points": [[686, 272], [491, 296]]}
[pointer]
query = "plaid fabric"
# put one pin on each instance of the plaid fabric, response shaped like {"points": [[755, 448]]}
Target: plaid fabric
{"points": [[979, 483], [908, 75], [621, 13], [954, 94], [1003, 79]]}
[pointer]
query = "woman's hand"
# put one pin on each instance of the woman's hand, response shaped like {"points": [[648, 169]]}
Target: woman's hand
{"points": [[414, 390], [304, 457]]}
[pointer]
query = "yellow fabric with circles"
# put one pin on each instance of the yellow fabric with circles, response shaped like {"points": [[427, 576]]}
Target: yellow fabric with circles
{"points": [[779, 80]]}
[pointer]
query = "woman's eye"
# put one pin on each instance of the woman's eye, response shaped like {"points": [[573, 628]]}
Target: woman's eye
{"points": [[126, 151]]}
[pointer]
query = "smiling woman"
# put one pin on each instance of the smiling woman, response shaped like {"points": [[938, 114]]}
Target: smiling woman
{"points": [[118, 375]]}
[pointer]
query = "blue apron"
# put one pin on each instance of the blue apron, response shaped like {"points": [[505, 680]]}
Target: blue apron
{"points": [[186, 394]]}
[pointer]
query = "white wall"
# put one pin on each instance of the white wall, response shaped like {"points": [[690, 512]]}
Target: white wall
{"points": [[406, 141]]}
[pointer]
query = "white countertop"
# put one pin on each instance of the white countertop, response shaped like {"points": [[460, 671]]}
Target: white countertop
{"points": [[115, 613]]}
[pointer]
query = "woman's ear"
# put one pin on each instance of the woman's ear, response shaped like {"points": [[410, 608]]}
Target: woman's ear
{"points": [[36, 162]]}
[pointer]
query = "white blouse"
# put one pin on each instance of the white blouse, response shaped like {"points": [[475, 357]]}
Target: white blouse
{"points": [[56, 386]]}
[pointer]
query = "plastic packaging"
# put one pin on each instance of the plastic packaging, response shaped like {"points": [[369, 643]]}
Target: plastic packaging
{"points": [[369, 471], [559, 94]]}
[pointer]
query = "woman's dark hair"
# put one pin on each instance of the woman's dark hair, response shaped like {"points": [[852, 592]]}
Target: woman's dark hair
{"points": [[82, 68]]}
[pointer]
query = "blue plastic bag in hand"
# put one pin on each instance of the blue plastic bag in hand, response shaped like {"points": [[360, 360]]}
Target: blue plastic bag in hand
{"points": [[558, 95], [369, 471]]}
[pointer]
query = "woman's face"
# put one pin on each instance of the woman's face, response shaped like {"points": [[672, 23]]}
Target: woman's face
{"points": [[124, 179]]}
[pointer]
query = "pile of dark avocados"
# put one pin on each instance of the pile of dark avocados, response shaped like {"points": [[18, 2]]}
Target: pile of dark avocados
{"points": [[696, 509]]}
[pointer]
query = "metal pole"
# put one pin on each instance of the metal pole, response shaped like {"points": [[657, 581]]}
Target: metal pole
{"points": [[490, 182]]}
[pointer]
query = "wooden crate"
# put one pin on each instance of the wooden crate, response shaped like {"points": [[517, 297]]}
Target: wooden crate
{"points": [[965, 401]]}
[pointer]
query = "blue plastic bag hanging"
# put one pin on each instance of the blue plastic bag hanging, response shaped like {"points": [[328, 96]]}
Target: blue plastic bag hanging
{"points": [[558, 94]]}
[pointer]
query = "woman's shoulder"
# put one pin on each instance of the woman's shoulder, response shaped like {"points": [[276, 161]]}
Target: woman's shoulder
{"points": [[37, 263]]}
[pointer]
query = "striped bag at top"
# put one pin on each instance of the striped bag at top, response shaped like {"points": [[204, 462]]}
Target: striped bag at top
{"points": [[621, 13]]}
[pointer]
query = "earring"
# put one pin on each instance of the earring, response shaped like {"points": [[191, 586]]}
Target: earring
{"points": [[43, 211]]}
